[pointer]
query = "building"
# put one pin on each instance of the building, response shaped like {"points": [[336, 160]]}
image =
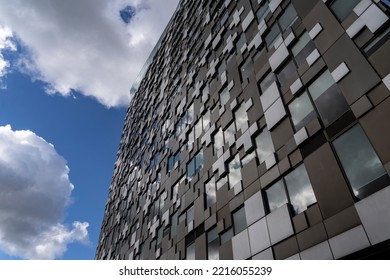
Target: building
{"points": [[260, 130]]}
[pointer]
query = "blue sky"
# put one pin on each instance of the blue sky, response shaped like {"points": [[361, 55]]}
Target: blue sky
{"points": [[63, 98]]}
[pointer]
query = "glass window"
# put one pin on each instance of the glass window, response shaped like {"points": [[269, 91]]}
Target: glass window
{"points": [[246, 69], [227, 235], [218, 141], [212, 244], [195, 164], [239, 220], [241, 118], [211, 195], [262, 12], [342, 9], [224, 96], [234, 171], [264, 145], [377, 41], [285, 74], [240, 43], [299, 189], [190, 252], [272, 36], [302, 48], [360, 162], [174, 224], [229, 133], [302, 111], [328, 98], [267, 81], [288, 17], [276, 195]]}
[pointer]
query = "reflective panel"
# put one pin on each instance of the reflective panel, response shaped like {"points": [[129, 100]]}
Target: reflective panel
{"points": [[227, 235], [267, 81], [342, 9], [359, 160], [224, 96], [213, 244], [299, 189], [288, 17], [190, 252], [264, 145], [302, 48], [285, 74], [302, 111], [246, 69], [218, 141], [211, 196], [239, 220], [234, 171], [276, 195], [272, 35], [241, 117], [262, 12], [321, 84]]}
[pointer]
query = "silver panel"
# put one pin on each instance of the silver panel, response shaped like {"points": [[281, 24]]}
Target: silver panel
{"points": [[240, 246], [340, 72], [295, 257], [318, 252], [279, 56], [312, 57], [315, 30], [265, 255], [374, 214], [275, 113], [301, 136], [279, 224], [254, 208], [248, 20], [269, 96], [349, 242], [296, 86], [258, 236]]}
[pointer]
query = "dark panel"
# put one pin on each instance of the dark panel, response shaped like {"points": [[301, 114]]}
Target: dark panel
{"points": [[342, 221], [328, 181]]}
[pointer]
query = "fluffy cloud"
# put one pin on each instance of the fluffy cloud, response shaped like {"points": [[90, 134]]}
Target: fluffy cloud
{"points": [[85, 45], [34, 192], [6, 44]]}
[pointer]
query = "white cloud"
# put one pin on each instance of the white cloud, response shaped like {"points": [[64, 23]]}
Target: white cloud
{"points": [[84, 45], [34, 192], [6, 44]]}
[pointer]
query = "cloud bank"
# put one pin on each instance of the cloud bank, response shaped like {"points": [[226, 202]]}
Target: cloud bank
{"points": [[86, 45], [6, 44], [34, 192]]}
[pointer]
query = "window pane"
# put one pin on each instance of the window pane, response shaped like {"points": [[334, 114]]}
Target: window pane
{"points": [[211, 196], [299, 189], [191, 168], [276, 196], [213, 244], [264, 144], [342, 8], [218, 141], [234, 171], [301, 43], [262, 12], [239, 220], [224, 96], [241, 118], [227, 235], [272, 35], [190, 252], [267, 81], [321, 84], [358, 158], [285, 74], [288, 18], [246, 69], [199, 161], [302, 111]]}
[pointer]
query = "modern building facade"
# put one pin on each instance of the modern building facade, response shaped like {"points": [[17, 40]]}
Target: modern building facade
{"points": [[260, 130]]}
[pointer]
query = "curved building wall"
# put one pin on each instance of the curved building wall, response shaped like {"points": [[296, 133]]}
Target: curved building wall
{"points": [[259, 131]]}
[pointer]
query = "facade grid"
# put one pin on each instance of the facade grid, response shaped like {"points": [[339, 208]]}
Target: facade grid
{"points": [[260, 130]]}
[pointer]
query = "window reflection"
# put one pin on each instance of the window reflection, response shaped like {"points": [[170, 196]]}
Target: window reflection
{"points": [[239, 220], [264, 145], [288, 17], [360, 162], [276, 196], [212, 244], [302, 111], [234, 171], [211, 195], [299, 189], [342, 9]]}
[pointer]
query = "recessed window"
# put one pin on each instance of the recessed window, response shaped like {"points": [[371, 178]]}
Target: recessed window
{"points": [[234, 171], [360, 162], [239, 220], [302, 111], [342, 8], [288, 17], [211, 194], [302, 48], [284, 76], [328, 98], [212, 244], [218, 142], [195, 165], [272, 36], [262, 12], [241, 118], [190, 251], [264, 144], [295, 188]]}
